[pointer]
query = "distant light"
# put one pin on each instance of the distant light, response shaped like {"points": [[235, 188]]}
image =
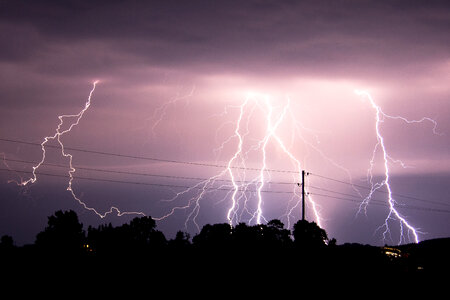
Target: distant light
{"points": [[392, 252]]}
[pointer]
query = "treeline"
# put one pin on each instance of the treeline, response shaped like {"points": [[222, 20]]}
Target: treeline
{"points": [[216, 249], [64, 234]]}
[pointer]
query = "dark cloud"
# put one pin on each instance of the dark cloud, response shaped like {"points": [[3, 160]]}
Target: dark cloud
{"points": [[314, 36], [147, 53]]}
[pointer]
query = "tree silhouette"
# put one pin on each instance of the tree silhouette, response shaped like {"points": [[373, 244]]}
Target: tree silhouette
{"points": [[309, 235], [7, 241], [139, 237], [142, 233], [276, 235], [6, 244], [245, 236], [219, 250], [217, 235], [181, 241], [103, 239], [64, 233]]}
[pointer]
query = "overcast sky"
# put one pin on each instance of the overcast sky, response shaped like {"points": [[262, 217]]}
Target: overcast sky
{"points": [[172, 78]]}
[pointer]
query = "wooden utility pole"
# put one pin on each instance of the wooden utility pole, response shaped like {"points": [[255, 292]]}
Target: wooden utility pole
{"points": [[303, 195]]}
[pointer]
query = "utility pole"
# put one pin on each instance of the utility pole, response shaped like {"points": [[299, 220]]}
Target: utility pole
{"points": [[303, 195], [302, 185]]}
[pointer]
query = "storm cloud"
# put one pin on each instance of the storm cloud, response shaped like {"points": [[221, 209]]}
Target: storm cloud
{"points": [[208, 55]]}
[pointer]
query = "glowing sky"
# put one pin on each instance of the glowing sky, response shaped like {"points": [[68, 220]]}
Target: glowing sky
{"points": [[172, 74]]}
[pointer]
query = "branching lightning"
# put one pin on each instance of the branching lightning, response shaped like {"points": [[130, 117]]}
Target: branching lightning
{"points": [[59, 133], [245, 184], [248, 183], [161, 111], [406, 229]]}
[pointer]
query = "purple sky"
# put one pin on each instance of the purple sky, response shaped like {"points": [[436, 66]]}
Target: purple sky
{"points": [[172, 76]]}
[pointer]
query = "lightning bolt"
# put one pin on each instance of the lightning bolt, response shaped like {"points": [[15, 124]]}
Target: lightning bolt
{"points": [[242, 183], [161, 111], [393, 213], [59, 132], [246, 183], [237, 154]]}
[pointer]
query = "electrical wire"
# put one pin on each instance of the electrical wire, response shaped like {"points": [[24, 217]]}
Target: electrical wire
{"points": [[149, 158], [144, 183], [138, 173], [381, 191], [383, 204], [380, 202]]}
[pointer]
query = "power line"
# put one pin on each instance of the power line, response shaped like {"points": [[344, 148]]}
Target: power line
{"points": [[375, 202], [141, 174], [342, 194], [199, 164], [380, 191], [145, 183], [347, 199], [383, 204], [149, 158]]}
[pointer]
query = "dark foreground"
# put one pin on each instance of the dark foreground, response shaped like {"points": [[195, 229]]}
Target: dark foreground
{"points": [[250, 271], [136, 257]]}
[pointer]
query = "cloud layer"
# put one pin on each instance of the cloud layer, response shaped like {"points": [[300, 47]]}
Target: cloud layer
{"points": [[202, 58]]}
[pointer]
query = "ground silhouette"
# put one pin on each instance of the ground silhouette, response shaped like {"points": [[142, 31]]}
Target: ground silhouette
{"points": [[217, 251]]}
